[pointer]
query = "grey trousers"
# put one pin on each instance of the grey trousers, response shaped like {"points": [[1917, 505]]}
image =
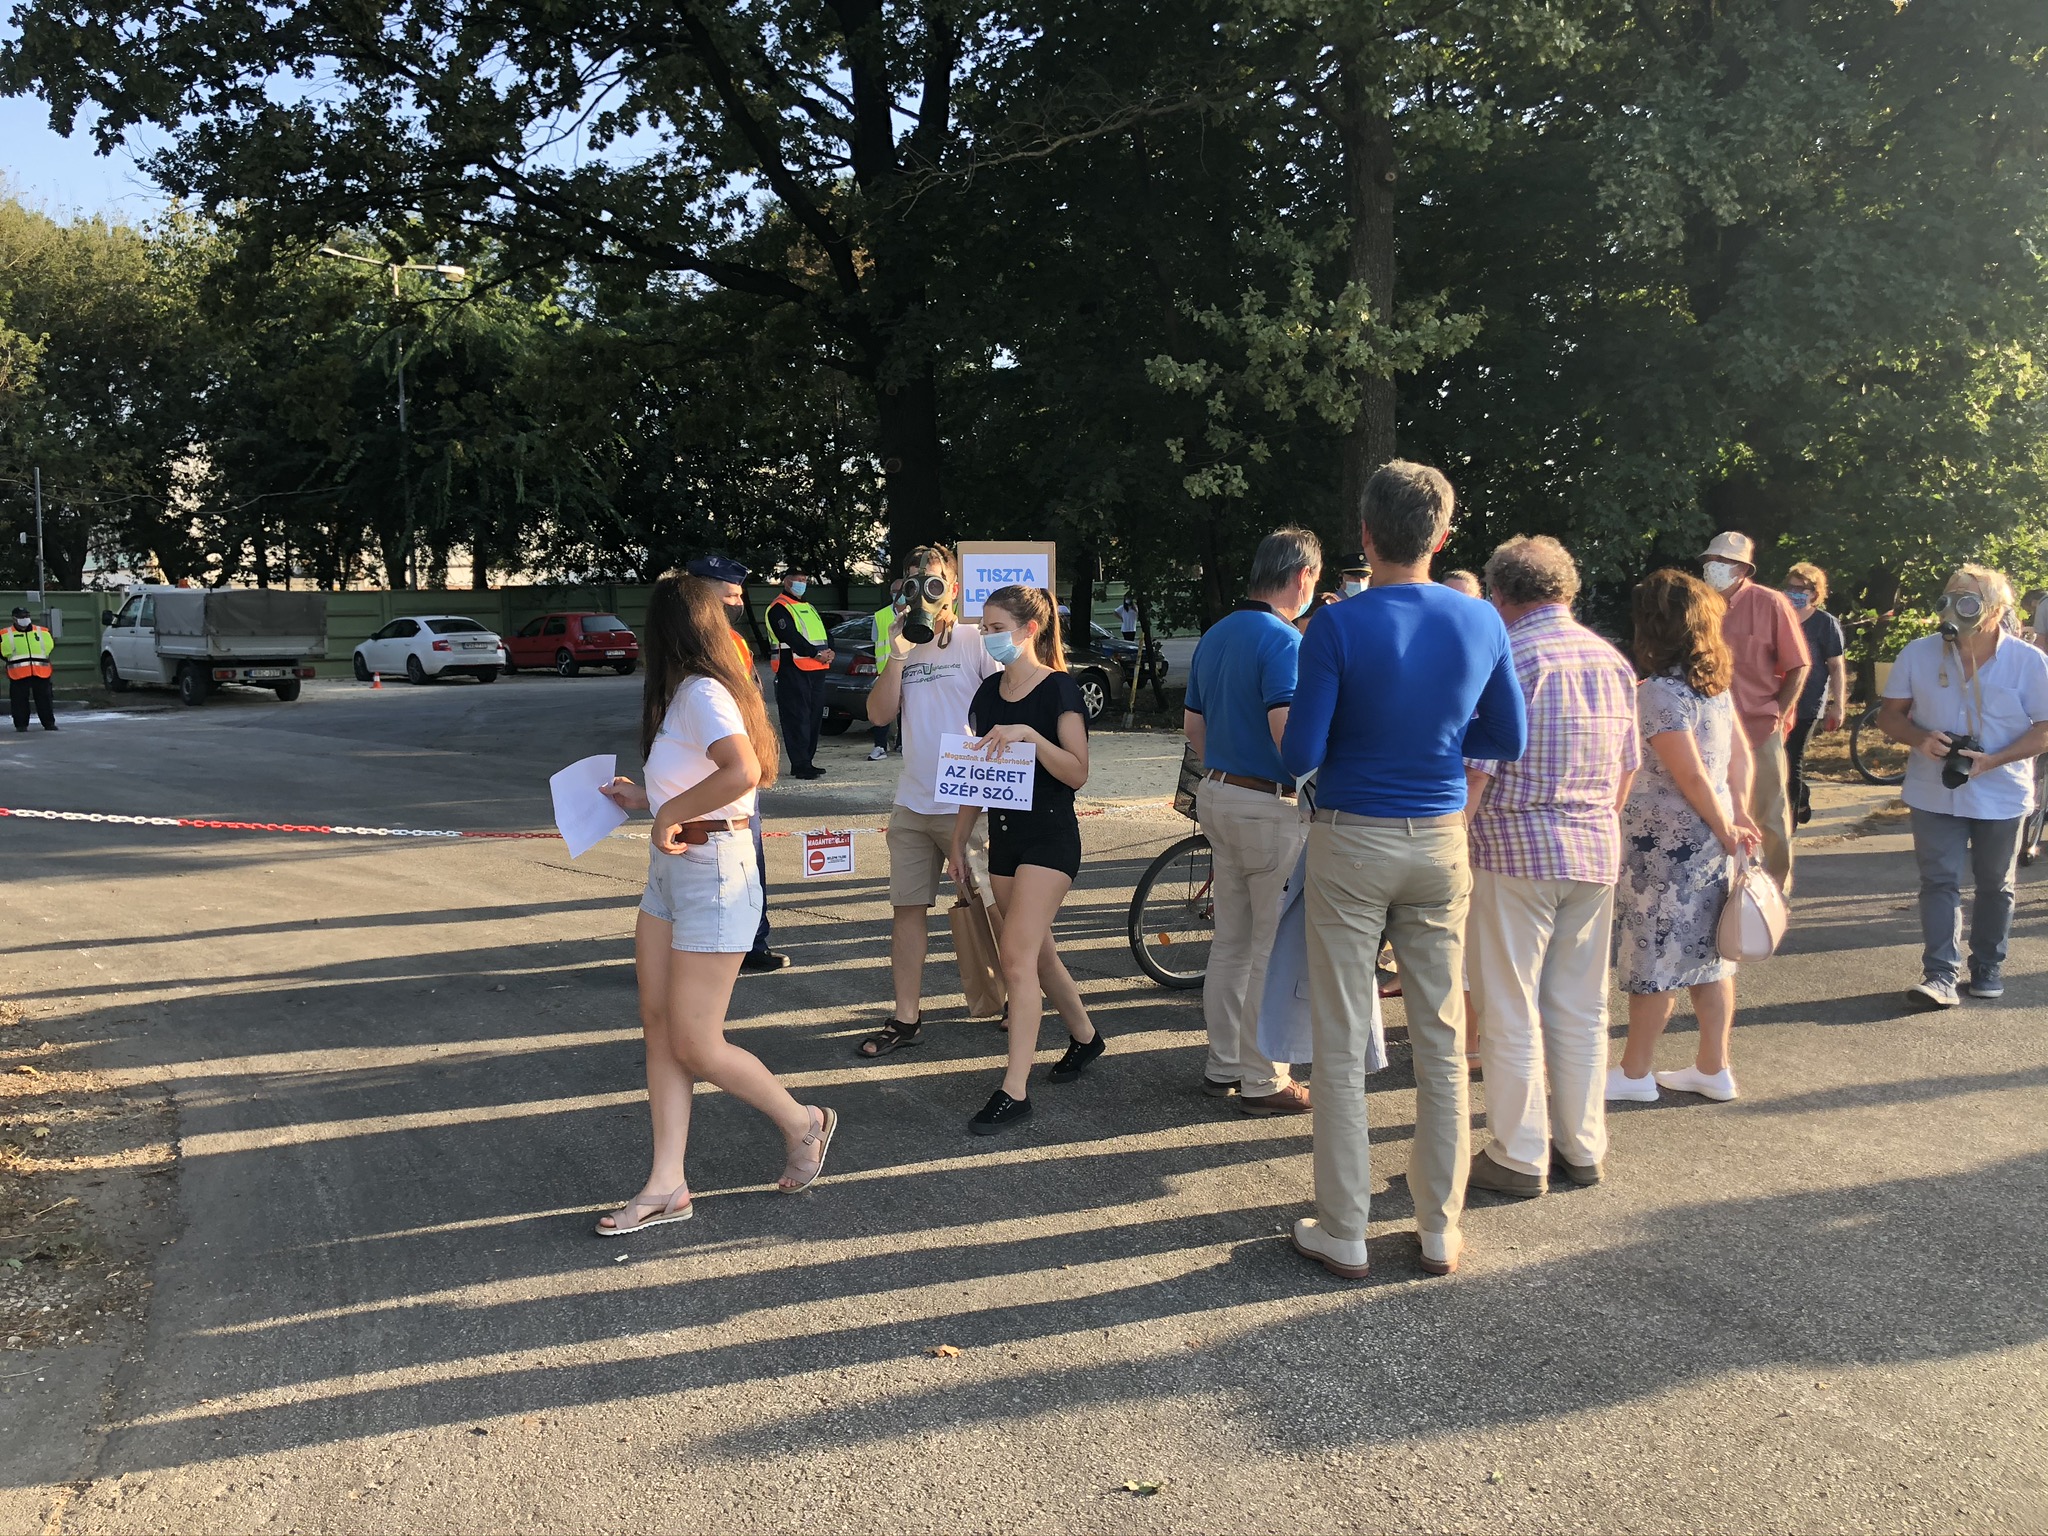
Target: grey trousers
{"points": [[1948, 848]]}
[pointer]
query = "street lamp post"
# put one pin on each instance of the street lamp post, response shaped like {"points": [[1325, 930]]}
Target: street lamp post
{"points": [[453, 274]]}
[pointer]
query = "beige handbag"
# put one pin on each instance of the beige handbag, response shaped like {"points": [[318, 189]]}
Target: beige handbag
{"points": [[1753, 921]]}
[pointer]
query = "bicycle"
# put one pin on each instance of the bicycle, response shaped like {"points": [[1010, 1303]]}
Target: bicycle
{"points": [[1875, 756], [1173, 915]]}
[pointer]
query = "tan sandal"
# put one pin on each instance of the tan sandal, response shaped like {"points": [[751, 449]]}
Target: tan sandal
{"points": [[665, 1211], [821, 1138]]}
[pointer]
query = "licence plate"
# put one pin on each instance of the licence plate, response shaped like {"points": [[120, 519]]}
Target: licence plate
{"points": [[267, 672], [477, 645], [611, 654]]}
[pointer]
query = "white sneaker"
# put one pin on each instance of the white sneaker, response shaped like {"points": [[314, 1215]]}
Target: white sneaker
{"points": [[1712, 1085], [1634, 1090], [876, 754], [1342, 1257]]}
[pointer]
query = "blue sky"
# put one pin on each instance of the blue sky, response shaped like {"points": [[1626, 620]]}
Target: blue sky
{"points": [[63, 177]]}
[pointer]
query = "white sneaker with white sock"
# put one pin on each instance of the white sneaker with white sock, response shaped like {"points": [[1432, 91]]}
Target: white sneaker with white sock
{"points": [[1634, 1090], [1713, 1085]]}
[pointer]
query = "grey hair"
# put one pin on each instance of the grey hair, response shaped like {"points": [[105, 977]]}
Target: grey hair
{"points": [[1282, 556], [1533, 570], [1407, 511]]}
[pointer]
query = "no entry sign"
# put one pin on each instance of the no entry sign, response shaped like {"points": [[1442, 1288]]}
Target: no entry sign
{"points": [[827, 853]]}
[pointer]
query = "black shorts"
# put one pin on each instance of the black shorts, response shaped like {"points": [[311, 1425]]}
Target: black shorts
{"points": [[1018, 837]]}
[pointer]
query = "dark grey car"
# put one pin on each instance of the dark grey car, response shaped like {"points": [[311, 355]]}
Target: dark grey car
{"points": [[1103, 676]]}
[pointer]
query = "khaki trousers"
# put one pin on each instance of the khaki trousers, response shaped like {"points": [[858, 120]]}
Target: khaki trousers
{"points": [[1254, 841], [1770, 806], [1412, 882], [1538, 960]]}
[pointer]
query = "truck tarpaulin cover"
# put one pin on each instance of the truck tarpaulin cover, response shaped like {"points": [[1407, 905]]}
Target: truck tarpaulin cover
{"points": [[236, 613]]}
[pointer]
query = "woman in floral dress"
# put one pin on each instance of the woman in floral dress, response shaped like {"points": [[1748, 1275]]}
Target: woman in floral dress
{"points": [[1684, 822]]}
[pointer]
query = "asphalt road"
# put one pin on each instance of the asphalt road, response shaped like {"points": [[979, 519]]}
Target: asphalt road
{"points": [[407, 1079]]}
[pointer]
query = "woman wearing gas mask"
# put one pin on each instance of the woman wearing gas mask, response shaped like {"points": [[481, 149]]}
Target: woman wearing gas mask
{"points": [[1972, 704]]}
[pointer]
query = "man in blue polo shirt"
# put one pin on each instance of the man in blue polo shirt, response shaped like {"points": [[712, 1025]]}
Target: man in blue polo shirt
{"points": [[1397, 687], [1240, 685]]}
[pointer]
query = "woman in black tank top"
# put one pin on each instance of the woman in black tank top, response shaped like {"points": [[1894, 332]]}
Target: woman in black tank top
{"points": [[1033, 855]]}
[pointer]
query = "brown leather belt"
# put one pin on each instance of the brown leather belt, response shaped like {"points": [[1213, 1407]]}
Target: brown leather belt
{"points": [[695, 832], [1245, 781]]}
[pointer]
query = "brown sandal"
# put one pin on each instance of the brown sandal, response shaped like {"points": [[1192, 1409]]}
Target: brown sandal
{"points": [[821, 1138]]}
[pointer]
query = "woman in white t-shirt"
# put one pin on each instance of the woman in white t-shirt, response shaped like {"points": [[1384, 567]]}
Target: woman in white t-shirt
{"points": [[704, 734]]}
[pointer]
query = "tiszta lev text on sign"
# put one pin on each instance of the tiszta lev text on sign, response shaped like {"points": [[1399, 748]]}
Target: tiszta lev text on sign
{"points": [[969, 776], [827, 853]]}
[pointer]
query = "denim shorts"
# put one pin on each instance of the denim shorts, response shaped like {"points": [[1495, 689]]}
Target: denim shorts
{"points": [[709, 893]]}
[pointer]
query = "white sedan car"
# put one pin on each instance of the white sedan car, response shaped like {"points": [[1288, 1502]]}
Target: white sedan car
{"points": [[443, 645]]}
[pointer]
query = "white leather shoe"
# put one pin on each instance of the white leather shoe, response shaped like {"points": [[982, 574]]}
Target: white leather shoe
{"points": [[1634, 1090], [1343, 1257], [1715, 1085], [1441, 1251]]}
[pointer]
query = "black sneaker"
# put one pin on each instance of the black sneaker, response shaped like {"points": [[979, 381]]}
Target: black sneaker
{"points": [[764, 960], [807, 773], [999, 1114], [1075, 1062]]}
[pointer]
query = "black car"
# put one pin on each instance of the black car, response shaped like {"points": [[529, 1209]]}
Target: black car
{"points": [[1103, 674]]}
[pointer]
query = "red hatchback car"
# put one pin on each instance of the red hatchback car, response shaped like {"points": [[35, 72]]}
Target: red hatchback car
{"points": [[569, 642]]}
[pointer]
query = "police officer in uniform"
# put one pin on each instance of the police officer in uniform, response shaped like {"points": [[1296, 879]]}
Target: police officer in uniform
{"points": [[801, 657], [729, 576], [26, 647]]}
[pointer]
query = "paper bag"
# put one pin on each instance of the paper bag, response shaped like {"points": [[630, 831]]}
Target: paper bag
{"points": [[977, 935]]}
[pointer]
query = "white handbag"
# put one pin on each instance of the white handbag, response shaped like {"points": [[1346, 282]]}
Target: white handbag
{"points": [[1753, 922]]}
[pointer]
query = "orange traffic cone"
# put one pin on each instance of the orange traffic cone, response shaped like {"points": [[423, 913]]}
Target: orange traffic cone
{"points": [[376, 680]]}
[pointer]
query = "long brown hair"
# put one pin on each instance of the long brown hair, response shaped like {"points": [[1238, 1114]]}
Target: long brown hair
{"points": [[686, 636], [1678, 629], [1034, 604]]}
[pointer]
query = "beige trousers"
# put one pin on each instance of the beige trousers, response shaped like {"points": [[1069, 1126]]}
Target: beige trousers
{"points": [[1537, 953], [1412, 882], [1254, 840], [1770, 806]]}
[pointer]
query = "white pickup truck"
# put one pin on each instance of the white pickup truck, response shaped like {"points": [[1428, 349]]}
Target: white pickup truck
{"points": [[196, 639]]}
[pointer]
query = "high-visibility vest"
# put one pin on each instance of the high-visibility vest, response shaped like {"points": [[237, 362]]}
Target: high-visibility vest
{"points": [[809, 625], [746, 651], [27, 652], [883, 618]]}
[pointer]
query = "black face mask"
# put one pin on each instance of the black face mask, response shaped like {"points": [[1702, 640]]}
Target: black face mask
{"points": [[735, 614]]}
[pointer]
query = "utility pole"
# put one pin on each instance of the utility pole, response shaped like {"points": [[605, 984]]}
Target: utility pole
{"points": [[42, 579]]}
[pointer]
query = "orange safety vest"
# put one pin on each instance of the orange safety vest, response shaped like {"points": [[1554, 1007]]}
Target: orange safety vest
{"points": [[746, 651], [27, 652], [806, 619]]}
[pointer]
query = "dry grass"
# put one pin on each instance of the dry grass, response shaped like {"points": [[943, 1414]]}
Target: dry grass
{"points": [[79, 1166]]}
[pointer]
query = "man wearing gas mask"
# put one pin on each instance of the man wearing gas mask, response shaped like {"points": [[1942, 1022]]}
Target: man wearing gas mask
{"points": [[1771, 663], [1972, 704], [929, 668]]}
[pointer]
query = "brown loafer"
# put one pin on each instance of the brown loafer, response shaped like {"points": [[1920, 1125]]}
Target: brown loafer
{"points": [[1501, 1180], [1292, 1099], [1585, 1175]]}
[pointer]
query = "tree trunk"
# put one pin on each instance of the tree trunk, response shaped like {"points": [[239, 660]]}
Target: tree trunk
{"points": [[1082, 598], [1371, 172], [907, 421]]}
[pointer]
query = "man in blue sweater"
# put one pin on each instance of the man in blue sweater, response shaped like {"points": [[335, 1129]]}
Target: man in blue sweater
{"points": [[1397, 687]]}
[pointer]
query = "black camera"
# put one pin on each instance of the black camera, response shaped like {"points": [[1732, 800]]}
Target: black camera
{"points": [[1955, 768]]}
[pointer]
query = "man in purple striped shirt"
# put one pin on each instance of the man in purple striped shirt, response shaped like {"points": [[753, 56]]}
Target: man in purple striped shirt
{"points": [[1546, 850]]}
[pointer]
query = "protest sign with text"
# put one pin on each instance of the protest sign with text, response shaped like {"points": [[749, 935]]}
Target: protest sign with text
{"points": [[969, 776]]}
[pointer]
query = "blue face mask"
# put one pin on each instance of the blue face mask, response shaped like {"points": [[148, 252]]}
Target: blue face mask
{"points": [[1002, 646], [1799, 599], [799, 588]]}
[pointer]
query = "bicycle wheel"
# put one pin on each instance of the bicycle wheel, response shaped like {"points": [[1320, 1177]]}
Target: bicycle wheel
{"points": [[1173, 915], [1878, 758]]}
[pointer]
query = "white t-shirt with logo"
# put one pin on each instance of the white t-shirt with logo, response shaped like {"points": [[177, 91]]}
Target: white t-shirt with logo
{"points": [[938, 685], [701, 712]]}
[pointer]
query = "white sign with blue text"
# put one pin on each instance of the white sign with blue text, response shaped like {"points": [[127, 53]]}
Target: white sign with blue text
{"points": [[969, 776], [989, 566]]}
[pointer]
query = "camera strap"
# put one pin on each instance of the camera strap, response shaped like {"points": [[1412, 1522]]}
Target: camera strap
{"points": [[1973, 678]]}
